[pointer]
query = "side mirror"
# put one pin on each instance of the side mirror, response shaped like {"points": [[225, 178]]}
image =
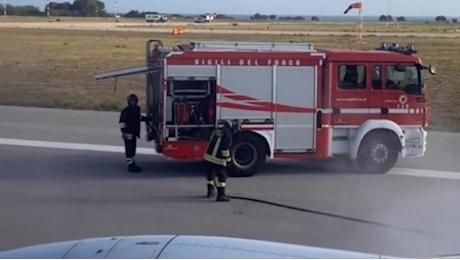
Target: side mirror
{"points": [[432, 69]]}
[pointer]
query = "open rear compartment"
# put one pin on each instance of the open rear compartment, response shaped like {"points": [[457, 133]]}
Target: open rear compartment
{"points": [[190, 109], [155, 54]]}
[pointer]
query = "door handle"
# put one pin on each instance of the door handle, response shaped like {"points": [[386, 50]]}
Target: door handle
{"points": [[319, 119]]}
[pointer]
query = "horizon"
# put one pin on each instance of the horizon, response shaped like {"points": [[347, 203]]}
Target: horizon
{"points": [[407, 8]]}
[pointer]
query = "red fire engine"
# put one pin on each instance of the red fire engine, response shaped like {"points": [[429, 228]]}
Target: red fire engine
{"points": [[293, 101]]}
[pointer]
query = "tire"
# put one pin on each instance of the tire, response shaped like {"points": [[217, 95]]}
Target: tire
{"points": [[248, 154], [378, 153]]}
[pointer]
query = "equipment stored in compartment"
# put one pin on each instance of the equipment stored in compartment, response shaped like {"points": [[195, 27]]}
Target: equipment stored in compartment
{"points": [[191, 104]]}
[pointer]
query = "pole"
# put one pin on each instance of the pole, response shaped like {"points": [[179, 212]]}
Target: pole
{"points": [[360, 30], [4, 8], [48, 8], [388, 7], [116, 8]]}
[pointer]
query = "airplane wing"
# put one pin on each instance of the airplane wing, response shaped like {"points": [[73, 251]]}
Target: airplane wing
{"points": [[179, 247]]}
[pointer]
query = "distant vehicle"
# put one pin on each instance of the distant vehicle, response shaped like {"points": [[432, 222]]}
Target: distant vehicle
{"points": [[294, 102], [178, 247], [156, 18], [205, 18]]}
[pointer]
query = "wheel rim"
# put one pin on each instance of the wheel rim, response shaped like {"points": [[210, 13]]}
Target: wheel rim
{"points": [[244, 155], [380, 153]]}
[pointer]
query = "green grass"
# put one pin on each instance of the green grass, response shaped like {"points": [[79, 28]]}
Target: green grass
{"points": [[55, 68]]}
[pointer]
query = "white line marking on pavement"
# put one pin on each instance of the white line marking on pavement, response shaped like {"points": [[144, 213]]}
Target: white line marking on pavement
{"points": [[426, 173], [74, 146], [151, 151]]}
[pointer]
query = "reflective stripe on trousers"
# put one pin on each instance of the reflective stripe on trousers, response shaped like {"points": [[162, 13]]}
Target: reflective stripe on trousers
{"points": [[220, 184], [225, 153]]}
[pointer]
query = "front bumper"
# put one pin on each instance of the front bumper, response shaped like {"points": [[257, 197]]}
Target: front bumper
{"points": [[415, 142]]}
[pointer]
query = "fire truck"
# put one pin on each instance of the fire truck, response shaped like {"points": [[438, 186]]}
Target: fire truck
{"points": [[293, 101]]}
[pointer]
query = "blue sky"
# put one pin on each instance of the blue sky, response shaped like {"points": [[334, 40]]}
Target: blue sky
{"points": [[306, 7]]}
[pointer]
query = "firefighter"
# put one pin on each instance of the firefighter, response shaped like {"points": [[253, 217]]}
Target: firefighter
{"points": [[218, 159], [130, 125]]}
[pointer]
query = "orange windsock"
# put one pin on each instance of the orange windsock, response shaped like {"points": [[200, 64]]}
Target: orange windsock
{"points": [[357, 5]]}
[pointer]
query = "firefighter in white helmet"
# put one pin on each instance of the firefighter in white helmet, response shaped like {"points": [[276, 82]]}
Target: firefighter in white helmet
{"points": [[218, 158]]}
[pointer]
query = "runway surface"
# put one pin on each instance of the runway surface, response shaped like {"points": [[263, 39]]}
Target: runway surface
{"points": [[63, 177], [206, 28]]}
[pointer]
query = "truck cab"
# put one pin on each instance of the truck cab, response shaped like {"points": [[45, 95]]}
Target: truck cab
{"points": [[385, 85], [385, 78]]}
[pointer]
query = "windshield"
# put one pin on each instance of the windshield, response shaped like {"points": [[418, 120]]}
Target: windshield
{"points": [[407, 81]]}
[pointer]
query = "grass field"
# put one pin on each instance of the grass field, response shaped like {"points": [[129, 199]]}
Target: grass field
{"points": [[318, 26], [407, 27], [54, 68]]}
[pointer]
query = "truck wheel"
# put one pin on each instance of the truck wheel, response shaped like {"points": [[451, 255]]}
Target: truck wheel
{"points": [[247, 156], [378, 153]]}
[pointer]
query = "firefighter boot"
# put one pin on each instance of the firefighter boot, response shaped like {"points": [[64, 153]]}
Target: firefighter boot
{"points": [[211, 191], [221, 194], [133, 167]]}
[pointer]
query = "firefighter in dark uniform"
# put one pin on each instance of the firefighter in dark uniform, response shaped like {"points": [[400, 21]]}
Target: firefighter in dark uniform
{"points": [[130, 125], [218, 158]]}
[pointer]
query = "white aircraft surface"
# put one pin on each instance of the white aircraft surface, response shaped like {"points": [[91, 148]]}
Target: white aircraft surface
{"points": [[178, 247]]}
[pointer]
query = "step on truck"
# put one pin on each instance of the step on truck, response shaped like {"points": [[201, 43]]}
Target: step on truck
{"points": [[294, 101]]}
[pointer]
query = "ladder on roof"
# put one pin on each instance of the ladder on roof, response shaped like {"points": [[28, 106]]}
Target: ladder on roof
{"points": [[257, 46]]}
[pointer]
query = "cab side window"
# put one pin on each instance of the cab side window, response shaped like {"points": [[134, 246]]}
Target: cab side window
{"points": [[402, 80], [376, 77], [352, 77]]}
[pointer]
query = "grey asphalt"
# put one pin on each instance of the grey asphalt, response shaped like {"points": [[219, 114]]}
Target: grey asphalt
{"points": [[49, 195]]}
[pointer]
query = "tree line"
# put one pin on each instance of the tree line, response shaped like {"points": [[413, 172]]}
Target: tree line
{"points": [[273, 17], [87, 8], [439, 19], [94, 8]]}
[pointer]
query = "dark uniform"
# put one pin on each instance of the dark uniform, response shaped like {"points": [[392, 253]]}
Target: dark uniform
{"points": [[218, 159], [130, 125]]}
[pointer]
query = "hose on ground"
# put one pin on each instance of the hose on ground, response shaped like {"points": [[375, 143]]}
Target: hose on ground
{"points": [[316, 212]]}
